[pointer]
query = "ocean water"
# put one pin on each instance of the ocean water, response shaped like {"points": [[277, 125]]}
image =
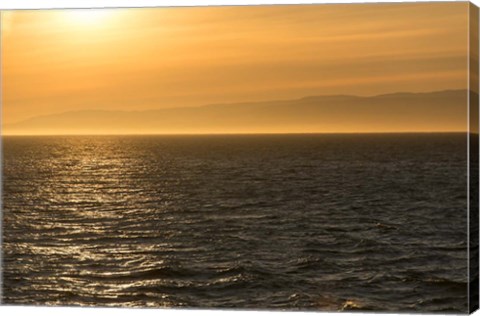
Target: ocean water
{"points": [[296, 222]]}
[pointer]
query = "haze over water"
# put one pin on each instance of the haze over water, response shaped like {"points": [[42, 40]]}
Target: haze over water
{"points": [[323, 222]]}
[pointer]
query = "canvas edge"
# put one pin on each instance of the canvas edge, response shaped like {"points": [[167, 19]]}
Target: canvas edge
{"points": [[1, 157], [473, 158]]}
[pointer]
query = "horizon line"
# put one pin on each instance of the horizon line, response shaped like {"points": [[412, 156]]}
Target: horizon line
{"points": [[240, 134]]}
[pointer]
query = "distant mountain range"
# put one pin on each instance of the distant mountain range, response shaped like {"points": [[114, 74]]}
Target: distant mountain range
{"points": [[397, 112]]}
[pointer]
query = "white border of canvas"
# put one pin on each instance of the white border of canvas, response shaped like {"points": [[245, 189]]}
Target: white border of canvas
{"points": [[74, 311]]}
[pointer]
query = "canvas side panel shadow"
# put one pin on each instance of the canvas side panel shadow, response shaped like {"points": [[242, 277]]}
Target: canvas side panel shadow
{"points": [[473, 172]]}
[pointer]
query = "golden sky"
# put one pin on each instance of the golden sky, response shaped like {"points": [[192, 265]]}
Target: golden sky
{"points": [[136, 59]]}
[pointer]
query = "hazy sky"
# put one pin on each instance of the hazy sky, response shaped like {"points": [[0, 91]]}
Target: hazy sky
{"points": [[135, 59]]}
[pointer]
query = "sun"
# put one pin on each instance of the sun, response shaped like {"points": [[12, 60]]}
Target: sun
{"points": [[86, 17]]}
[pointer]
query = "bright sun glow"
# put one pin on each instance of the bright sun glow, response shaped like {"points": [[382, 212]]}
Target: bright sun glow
{"points": [[88, 16]]}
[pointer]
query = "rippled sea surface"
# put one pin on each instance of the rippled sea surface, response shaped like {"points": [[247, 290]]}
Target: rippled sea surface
{"points": [[303, 222]]}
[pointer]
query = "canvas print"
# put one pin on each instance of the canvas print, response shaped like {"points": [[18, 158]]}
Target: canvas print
{"points": [[283, 157]]}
